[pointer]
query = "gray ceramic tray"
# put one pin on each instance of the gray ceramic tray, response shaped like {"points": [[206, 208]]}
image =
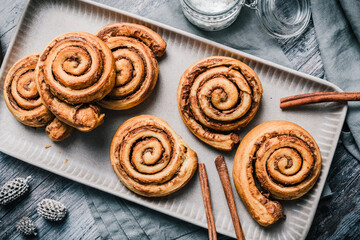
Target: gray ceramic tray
{"points": [[88, 153]]}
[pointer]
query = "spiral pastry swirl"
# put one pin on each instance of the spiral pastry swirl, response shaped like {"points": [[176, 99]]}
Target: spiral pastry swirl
{"points": [[287, 163], [149, 158], [21, 94], [133, 47], [75, 70], [217, 96], [131, 30]]}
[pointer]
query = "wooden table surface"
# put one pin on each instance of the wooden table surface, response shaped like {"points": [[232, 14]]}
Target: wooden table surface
{"points": [[337, 216]]}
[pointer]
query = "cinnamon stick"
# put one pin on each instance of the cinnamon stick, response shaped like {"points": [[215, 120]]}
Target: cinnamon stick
{"points": [[318, 97], [225, 180], [207, 201]]}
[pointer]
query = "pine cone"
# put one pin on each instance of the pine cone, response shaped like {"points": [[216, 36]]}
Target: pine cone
{"points": [[26, 226], [51, 210], [13, 189]]}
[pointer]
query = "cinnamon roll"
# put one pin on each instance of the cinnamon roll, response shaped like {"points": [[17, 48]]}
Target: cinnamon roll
{"points": [[144, 34], [21, 94], [58, 131], [149, 158], [134, 48], [75, 70], [283, 160], [217, 96]]}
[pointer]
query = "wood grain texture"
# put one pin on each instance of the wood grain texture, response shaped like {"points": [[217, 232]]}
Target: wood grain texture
{"points": [[78, 223], [337, 216]]}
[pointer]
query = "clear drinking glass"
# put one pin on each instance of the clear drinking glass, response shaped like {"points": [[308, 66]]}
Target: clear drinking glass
{"points": [[280, 18]]}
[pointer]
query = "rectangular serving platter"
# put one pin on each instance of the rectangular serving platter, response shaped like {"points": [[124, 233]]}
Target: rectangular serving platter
{"points": [[88, 153]]}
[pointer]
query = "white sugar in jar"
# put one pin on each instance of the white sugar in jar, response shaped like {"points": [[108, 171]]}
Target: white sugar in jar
{"points": [[212, 6], [211, 15]]}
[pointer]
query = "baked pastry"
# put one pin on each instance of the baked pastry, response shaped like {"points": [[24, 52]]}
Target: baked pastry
{"points": [[75, 70], [134, 48], [58, 131], [287, 164], [149, 158], [23, 100], [21, 94], [217, 96], [144, 34]]}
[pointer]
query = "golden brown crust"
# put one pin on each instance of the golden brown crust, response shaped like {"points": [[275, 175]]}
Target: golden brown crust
{"points": [[149, 158], [217, 96], [21, 94], [136, 73], [136, 31], [134, 47], [75, 70], [58, 131], [287, 165]]}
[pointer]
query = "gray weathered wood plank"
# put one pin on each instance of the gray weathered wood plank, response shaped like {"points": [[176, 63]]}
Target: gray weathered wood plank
{"points": [[78, 223]]}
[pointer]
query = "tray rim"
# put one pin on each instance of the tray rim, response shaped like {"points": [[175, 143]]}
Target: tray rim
{"points": [[59, 172]]}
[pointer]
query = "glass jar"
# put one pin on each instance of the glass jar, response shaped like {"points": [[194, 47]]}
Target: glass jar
{"points": [[280, 18], [283, 18], [212, 20]]}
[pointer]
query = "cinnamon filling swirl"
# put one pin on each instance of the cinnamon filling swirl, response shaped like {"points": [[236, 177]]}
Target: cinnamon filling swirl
{"points": [[283, 159], [217, 96], [21, 94], [75, 70], [150, 158], [134, 48]]}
